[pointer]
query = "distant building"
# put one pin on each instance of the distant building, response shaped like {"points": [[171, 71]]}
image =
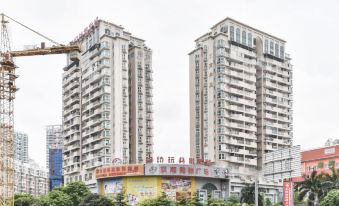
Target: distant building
{"points": [[282, 164], [55, 168], [21, 147], [331, 142], [54, 145], [320, 159], [30, 178]]}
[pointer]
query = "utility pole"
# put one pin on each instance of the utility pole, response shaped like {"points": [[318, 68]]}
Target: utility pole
{"points": [[256, 190]]}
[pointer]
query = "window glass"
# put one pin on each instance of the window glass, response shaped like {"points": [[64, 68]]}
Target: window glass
{"points": [[271, 47], [243, 37], [232, 33], [276, 48], [282, 52], [266, 46], [237, 35], [249, 40]]}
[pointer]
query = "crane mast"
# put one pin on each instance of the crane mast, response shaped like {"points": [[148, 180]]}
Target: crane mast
{"points": [[7, 96]]}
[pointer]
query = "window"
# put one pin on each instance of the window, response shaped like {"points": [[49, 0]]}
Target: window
{"points": [[232, 33], [282, 52], [276, 52], [249, 39], [107, 31], [243, 36], [266, 46], [271, 47], [237, 35], [104, 44]]}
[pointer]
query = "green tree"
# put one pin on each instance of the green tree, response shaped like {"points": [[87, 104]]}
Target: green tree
{"points": [[331, 181], [96, 200], [120, 199], [24, 199], [331, 199], [233, 199], [312, 188], [296, 199], [268, 202], [217, 202], [161, 200], [56, 198], [194, 201], [76, 190], [248, 195], [183, 200]]}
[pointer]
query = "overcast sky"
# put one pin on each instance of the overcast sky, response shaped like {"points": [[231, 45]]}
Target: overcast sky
{"points": [[170, 27]]}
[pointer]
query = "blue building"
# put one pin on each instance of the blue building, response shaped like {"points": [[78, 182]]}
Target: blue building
{"points": [[55, 168]]}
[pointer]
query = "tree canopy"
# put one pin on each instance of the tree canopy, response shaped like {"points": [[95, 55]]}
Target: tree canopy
{"points": [[96, 200]]}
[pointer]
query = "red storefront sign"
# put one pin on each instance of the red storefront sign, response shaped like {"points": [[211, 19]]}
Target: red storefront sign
{"points": [[119, 170], [288, 194]]}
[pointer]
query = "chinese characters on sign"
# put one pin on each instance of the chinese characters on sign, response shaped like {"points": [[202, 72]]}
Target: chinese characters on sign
{"points": [[288, 194], [119, 170], [185, 170], [180, 160], [92, 26]]}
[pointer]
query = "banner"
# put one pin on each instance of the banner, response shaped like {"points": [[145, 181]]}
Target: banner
{"points": [[176, 187], [112, 187], [288, 194], [119, 170], [185, 170], [140, 188]]}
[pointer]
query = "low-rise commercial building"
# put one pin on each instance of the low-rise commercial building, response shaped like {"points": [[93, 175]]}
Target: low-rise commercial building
{"points": [[148, 181], [320, 160]]}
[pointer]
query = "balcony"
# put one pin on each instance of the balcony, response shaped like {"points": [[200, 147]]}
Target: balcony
{"points": [[241, 75], [270, 132], [252, 144], [235, 159], [72, 139], [251, 161], [244, 118], [243, 68]]}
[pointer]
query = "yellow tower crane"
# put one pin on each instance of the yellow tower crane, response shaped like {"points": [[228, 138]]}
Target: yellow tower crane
{"points": [[7, 96]]}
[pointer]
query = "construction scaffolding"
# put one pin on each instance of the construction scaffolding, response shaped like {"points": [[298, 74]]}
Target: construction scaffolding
{"points": [[7, 95]]}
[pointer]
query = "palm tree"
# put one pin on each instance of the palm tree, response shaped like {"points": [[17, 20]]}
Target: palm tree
{"points": [[331, 181], [312, 188]]}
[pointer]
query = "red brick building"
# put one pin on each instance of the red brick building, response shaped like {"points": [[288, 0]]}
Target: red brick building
{"points": [[320, 159]]}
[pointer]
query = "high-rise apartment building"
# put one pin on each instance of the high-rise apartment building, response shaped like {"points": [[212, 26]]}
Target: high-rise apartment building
{"points": [[54, 139], [54, 145], [21, 147], [107, 102], [240, 95], [30, 178]]}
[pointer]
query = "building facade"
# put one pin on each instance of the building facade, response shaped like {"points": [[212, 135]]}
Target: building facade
{"points": [[54, 146], [54, 139], [176, 180], [107, 102], [21, 147], [240, 96], [282, 164], [30, 178], [321, 160], [55, 168]]}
